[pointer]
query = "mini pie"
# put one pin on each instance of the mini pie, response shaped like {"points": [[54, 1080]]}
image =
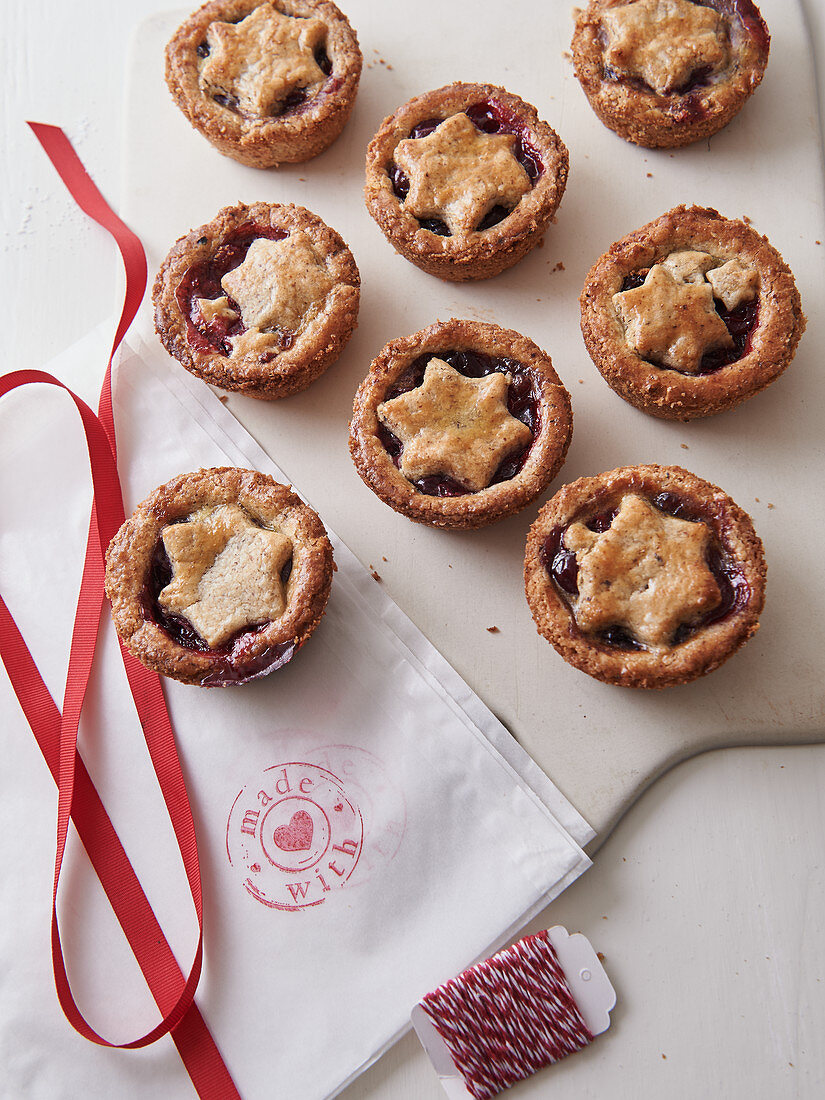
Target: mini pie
{"points": [[665, 73], [691, 314], [265, 83], [260, 300], [218, 577], [464, 180], [645, 576], [460, 424]]}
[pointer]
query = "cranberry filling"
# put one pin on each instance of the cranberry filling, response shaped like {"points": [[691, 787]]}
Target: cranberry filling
{"points": [[491, 117], [562, 567], [740, 322], [522, 403], [231, 660], [203, 280]]}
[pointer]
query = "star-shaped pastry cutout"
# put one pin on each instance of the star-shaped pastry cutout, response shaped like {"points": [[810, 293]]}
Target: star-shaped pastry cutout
{"points": [[671, 321], [278, 282], [455, 426], [733, 283], [663, 42], [647, 573], [226, 572], [458, 174], [258, 62]]}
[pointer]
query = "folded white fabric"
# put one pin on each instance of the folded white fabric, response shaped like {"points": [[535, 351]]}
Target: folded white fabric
{"points": [[367, 828]]}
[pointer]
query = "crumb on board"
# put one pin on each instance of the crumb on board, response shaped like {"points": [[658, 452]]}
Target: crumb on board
{"points": [[600, 956], [684, 446], [493, 630], [581, 381], [650, 175], [223, 397], [746, 220], [376, 576], [559, 266], [383, 558], [771, 506]]}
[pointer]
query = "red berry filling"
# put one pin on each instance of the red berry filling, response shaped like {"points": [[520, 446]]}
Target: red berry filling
{"points": [[562, 567], [740, 322], [522, 403], [491, 117], [231, 661], [203, 280]]}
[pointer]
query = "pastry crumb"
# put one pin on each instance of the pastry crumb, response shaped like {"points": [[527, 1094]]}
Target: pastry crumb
{"points": [[383, 558], [581, 381], [684, 446], [493, 630], [650, 175], [559, 266], [746, 220], [600, 956], [375, 576], [223, 398], [665, 1057], [771, 506]]}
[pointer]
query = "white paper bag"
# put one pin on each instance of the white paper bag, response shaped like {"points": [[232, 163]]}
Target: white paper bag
{"points": [[366, 827]]}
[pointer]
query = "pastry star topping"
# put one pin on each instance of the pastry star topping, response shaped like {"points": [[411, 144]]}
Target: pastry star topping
{"points": [[455, 426], [278, 282], [671, 321], [458, 174], [664, 42], [226, 572], [734, 284], [258, 62], [647, 573]]}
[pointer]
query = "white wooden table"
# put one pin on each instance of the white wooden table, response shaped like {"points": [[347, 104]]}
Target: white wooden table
{"points": [[705, 900]]}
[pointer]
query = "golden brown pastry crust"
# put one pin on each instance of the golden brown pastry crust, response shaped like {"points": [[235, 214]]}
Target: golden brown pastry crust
{"points": [[273, 371], [667, 393], [265, 143], [129, 561], [470, 510], [482, 254], [639, 114], [704, 650]]}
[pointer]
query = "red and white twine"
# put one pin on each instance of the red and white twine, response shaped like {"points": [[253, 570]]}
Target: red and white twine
{"points": [[508, 1017]]}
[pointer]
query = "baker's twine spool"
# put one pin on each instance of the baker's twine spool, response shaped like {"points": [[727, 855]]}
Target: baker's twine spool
{"points": [[508, 1017]]}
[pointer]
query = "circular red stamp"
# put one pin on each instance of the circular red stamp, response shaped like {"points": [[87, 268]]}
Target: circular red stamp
{"points": [[295, 834]]}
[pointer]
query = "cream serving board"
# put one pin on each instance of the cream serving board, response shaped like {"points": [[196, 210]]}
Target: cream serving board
{"points": [[601, 745]]}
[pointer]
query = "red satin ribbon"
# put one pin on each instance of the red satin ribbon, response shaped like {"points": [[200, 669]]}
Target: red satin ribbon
{"points": [[56, 732]]}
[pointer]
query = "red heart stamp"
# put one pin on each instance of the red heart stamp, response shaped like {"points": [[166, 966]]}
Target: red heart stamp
{"points": [[297, 835]]}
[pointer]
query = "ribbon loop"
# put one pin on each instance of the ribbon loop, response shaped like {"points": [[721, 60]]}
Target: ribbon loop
{"points": [[56, 731]]}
